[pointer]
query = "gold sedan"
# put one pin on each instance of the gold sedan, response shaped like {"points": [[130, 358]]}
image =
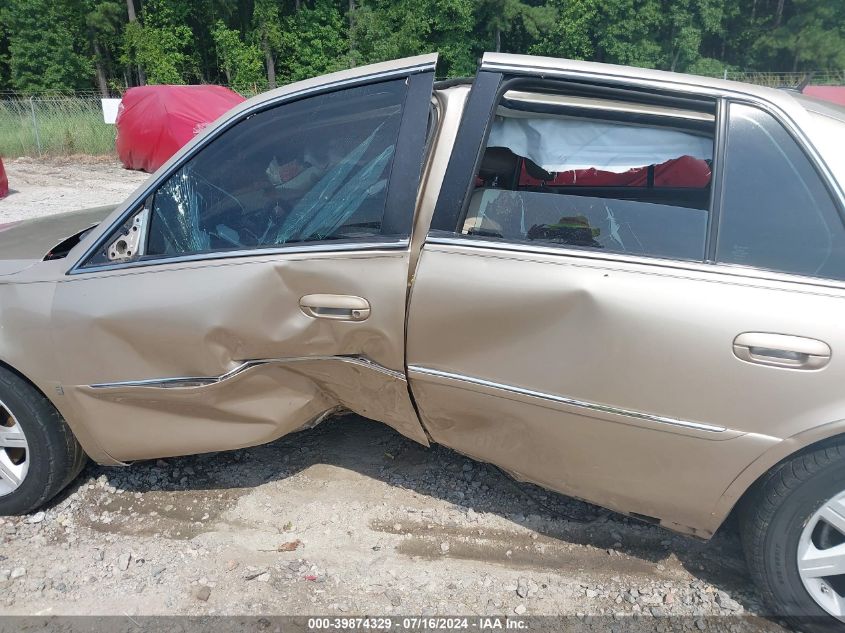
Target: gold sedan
{"points": [[621, 284]]}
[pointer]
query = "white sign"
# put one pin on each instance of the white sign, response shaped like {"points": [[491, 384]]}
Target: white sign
{"points": [[110, 107]]}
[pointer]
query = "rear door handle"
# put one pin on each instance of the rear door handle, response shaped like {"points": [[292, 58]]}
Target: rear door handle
{"points": [[339, 307], [781, 350]]}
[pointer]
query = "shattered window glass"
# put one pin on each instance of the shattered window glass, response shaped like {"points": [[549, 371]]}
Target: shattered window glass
{"points": [[309, 171]]}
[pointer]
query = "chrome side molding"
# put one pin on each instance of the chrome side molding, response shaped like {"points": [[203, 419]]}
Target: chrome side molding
{"points": [[190, 382], [581, 404]]}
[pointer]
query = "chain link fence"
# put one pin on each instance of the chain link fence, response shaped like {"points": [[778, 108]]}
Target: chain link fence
{"points": [[64, 124], [54, 126], [778, 80]]}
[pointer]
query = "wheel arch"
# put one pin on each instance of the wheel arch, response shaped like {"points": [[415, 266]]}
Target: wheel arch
{"points": [[89, 445], [754, 473]]}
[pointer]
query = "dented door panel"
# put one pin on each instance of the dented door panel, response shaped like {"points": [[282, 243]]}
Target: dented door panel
{"points": [[604, 460], [201, 321], [597, 377], [240, 314]]}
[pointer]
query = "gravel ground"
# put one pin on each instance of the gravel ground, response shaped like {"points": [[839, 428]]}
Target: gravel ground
{"points": [[351, 518], [41, 187], [347, 518]]}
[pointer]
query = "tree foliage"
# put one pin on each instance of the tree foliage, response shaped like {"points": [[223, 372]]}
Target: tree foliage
{"points": [[108, 45], [160, 43], [312, 42], [45, 48], [240, 61]]}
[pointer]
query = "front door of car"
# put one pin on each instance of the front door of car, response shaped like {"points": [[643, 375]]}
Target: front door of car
{"points": [[259, 282], [605, 335]]}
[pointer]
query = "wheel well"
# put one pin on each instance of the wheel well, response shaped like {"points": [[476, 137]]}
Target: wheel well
{"points": [[22, 376], [733, 515]]}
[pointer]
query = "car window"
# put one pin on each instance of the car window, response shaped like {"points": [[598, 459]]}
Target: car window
{"points": [[777, 213], [611, 177], [313, 170]]}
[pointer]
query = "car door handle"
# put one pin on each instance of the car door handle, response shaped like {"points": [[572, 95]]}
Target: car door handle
{"points": [[781, 350], [340, 307]]}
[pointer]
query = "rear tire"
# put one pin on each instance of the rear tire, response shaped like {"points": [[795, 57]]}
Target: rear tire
{"points": [[789, 544], [39, 455]]}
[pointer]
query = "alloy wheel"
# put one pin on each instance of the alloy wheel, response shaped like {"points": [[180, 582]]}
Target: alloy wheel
{"points": [[821, 556], [14, 452]]}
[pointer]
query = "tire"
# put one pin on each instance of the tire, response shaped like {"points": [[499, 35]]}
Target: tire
{"points": [[51, 457], [780, 514]]}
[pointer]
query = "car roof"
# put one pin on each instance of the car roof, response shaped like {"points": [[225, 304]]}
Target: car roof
{"points": [[821, 106], [621, 74]]}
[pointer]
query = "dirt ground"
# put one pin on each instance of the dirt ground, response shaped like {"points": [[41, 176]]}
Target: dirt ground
{"points": [[349, 518], [41, 187]]}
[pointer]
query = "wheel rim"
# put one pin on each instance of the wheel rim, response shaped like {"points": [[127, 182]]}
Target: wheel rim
{"points": [[821, 556], [14, 452]]}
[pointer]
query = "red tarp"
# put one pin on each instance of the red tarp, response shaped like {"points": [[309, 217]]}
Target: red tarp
{"points": [[835, 94], [685, 171], [153, 122], [4, 181]]}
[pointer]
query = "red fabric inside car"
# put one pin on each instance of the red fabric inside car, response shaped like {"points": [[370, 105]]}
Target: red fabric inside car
{"points": [[686, 171], [153, 122], [4, 181]]}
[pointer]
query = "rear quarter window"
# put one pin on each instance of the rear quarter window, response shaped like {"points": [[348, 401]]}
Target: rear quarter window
{"points": [[777, 213]]}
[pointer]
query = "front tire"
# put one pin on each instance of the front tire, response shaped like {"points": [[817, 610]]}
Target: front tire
{"points": [[793, 532], [39, 455]]}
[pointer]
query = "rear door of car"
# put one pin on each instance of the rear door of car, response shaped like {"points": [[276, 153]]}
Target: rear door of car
{"points": [[644, 283], [258, 283]]}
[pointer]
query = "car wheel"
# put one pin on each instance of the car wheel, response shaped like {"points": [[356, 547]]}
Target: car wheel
{"points": [[793, 532], [38, 453]]}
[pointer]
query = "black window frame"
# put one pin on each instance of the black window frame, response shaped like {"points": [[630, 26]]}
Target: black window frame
{"points": [[400, 203], [473, 133]]}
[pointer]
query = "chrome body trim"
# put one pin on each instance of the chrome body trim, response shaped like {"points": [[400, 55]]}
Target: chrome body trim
{"points": [[191, 382], [591, 406], [736, 270]]}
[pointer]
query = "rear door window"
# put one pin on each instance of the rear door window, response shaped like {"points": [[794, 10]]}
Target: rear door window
{"points": [[777, 213], [601, 175]]}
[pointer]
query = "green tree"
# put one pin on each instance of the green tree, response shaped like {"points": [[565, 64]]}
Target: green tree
{"points": [[160, 43], [805, 34], [104, 22], [46, 51], [615, 31], [313, 41], [241, 62], [383, 29], [103, 44], [500, 18], [268, 33], [687, 23]]}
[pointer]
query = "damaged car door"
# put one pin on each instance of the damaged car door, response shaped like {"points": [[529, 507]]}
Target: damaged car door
{"points": [[622, 323], [258, 283]]}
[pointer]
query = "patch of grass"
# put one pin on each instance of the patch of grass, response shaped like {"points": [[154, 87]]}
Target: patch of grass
{"points": [[66, 125]]}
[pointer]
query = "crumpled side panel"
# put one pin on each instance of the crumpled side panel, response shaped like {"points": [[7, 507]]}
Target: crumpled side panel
{"points": [[242, 412], [254, 407], [205, 319]]}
